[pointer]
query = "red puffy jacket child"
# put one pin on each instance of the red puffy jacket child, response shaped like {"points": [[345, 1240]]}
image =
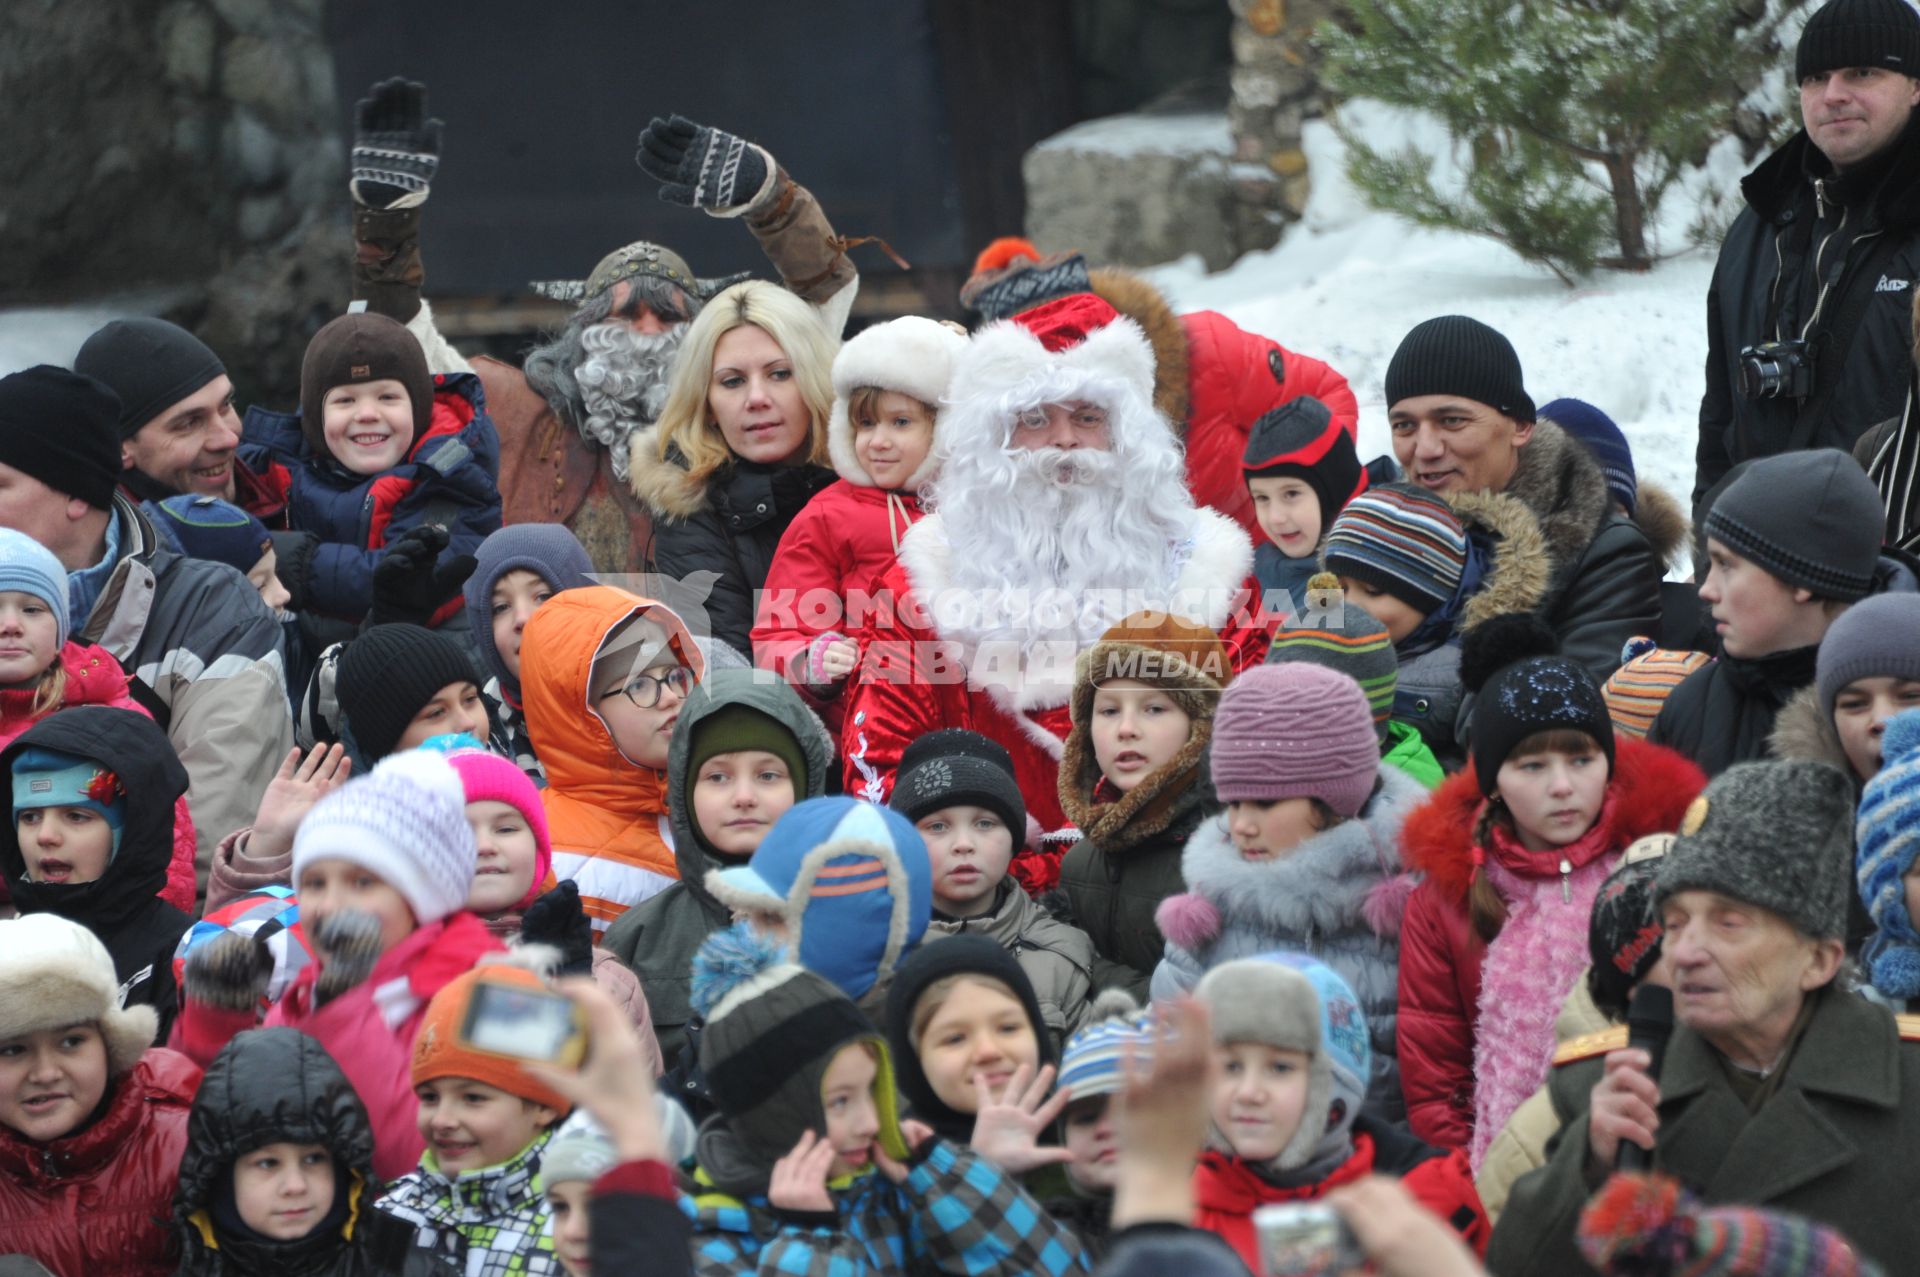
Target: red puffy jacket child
{"points": [[1514, 850]]}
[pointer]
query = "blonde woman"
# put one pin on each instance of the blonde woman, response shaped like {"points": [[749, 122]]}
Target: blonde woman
{"points": [[744, 435]]}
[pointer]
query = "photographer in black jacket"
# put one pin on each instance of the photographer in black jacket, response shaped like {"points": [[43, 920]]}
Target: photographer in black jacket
{"points": [[1808, 318]]}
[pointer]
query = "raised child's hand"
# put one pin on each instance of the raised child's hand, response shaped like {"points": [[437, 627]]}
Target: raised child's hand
{"points": [[1007, 1128], [800, 1178], [291, 794]]}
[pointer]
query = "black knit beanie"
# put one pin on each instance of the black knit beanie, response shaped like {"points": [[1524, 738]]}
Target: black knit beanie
{"points": [[359, 348], [1299, 440], [954, 767], [62, 428], [1812, 519], [1623, 935], [1455, 355], [1523, 686], [150, 363], [388, 674], [964, 954], [1859, 33]]}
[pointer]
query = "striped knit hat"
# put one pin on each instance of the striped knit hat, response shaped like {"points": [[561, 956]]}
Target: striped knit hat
{"points": [[1648, 1224], [1637, 690], [1091, 1061], [1400, 539], [1295, 731], [1811, 518], [1888, 835], [1341, 638], [1604, 440]]}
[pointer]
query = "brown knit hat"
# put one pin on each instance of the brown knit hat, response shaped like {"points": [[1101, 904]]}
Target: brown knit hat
{"points": [[359, 348], [1183, 659]]}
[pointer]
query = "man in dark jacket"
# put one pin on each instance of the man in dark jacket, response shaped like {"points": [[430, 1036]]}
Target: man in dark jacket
{"points": [[1463, 422], [1824, 257], [194, 632], [1791, 544], [1777, 1089]]}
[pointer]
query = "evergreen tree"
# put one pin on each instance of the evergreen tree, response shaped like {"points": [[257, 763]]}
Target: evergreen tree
{"points": [[1574, 116]]}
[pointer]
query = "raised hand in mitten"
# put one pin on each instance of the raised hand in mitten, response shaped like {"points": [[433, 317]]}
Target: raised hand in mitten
{"points": [[396, 148], [410, 583], [229, 971], [347, 944], [558, 919], [698, 166]]}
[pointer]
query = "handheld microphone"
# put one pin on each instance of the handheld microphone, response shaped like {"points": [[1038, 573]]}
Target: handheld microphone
{"points": [[1649, 1025]]}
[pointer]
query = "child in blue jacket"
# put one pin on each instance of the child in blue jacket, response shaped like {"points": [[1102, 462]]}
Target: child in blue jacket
{"points": [[379, 447]]}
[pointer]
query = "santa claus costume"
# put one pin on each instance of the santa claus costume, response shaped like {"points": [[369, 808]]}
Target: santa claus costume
{"points": [[1030, 553]]}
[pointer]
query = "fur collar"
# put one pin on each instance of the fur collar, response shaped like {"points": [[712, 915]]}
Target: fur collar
{"points": [[1217, 566], [1563, 486], [1147, 810], [1652, 786], [1141, 302], [1522, 566], [1801, 732], [1666, 526], [1322, 887], [664, 483]]}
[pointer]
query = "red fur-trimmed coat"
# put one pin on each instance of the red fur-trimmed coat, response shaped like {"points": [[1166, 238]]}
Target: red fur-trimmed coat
{"points": [[1440, 953]]}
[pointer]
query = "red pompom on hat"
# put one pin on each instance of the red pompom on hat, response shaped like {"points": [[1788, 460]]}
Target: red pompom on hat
{"points": [[1004, 252], [1067, 321]]}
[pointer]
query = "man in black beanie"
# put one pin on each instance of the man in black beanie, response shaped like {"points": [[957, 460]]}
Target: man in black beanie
{"points": [[1809, 323], [193, 631], [1464, 423]]}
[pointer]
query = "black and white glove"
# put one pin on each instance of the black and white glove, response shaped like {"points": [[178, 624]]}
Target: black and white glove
{"points": [[396, 148], [410, 583], [698, 166], [348, 944], [229, 971]]}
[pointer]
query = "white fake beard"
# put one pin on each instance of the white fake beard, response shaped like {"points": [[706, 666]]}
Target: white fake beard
{"points": [[1051, 547], [623, 384]]}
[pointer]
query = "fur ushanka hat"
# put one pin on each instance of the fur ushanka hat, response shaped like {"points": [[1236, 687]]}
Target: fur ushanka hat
{"points": [[55, 973]]}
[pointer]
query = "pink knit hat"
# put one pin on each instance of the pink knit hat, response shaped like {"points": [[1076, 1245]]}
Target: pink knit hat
{"points": [[489, 778], [1295, 731]]}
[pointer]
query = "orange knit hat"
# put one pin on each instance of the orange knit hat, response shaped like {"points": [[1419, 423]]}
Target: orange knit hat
{"points": [[438, 1051]]}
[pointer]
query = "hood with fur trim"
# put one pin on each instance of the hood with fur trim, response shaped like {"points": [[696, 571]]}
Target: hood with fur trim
{"points": [[1563, 485], [1521, 565], [1802, 733], [1141, 302], [911, 355], [1651, 784]]}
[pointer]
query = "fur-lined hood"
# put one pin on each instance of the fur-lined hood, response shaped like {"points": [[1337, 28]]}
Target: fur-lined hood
{"points": [[1803, 734], [1652, 785], [1523, 564], [1563, 485], [1320, 888], [1141, 302]]}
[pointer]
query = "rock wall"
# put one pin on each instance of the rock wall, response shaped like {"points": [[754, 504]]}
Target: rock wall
{"points": [[184, 146]]}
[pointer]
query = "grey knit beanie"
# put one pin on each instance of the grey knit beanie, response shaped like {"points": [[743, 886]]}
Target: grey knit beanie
{"points": [[1775, 834], [1813, 519], [1875, 638]]}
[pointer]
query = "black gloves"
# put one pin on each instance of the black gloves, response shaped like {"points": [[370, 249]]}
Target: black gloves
{"points": [[229, 971], [699, 166], [293, 564], [409, 582], [396, 148], [558, 919]]}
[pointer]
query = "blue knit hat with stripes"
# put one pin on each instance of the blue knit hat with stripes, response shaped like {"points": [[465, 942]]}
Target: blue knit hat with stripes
{"points": [[1888, 835]]}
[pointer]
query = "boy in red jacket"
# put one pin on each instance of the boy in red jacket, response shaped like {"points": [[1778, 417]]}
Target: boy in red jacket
{"points": [[1290, 1040]]}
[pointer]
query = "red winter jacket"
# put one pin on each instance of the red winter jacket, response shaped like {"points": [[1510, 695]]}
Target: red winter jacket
{"points": [[95, 678], [843, 540], [1235, 377], [1441, 954], [1227, 1191], [99, 1202]]}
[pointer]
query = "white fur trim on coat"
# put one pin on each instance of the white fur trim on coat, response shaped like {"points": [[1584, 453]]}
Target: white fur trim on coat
{"points": [[911, 355]]}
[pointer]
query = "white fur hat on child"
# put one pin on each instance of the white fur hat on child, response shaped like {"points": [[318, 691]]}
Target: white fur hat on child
{"points": [[912, 355], [55, 973], [406, 821]]}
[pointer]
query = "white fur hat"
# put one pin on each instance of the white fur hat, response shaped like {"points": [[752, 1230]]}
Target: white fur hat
{"points": [[55, 973], [911, 355]]}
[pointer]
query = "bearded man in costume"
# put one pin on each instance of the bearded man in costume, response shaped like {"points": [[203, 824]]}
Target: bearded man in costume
{"points": [[1060, 507], [580, 416]]}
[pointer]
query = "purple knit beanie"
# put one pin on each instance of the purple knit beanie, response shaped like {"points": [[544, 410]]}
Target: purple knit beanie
{"points": [[1295, 731]]}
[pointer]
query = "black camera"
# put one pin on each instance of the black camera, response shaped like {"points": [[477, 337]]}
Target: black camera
{"points": [[1776, 370]]}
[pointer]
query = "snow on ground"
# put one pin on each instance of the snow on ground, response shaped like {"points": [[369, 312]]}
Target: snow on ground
{"points": [[1347, 283]]}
